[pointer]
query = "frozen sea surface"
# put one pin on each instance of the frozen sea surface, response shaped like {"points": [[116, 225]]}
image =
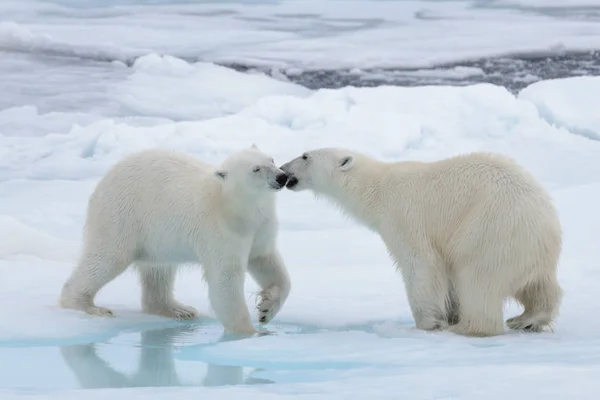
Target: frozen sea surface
{"points": [[325, 43], [85, 83]]}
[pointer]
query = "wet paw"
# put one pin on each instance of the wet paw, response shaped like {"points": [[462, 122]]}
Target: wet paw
{"points": [[521, 323], [268, 306], [432, 325], [176, 311], [470, 330], [99, 311]]}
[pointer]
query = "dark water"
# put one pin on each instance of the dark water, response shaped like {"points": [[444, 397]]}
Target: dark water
{"points": [[514, 73]]}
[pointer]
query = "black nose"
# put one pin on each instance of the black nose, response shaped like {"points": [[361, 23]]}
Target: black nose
{"points": [[281, 179], [292, 182]]}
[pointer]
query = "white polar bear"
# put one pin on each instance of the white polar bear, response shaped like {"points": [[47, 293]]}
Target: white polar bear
{"points": [[466, 233], [158, 209]]}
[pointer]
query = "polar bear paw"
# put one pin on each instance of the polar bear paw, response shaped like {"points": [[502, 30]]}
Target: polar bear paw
{"points": [[269, 303], [174, 310], [99, 311], [524, 323], [432, 324], [85, 304]]}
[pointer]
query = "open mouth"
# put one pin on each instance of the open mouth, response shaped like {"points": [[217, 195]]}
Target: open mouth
{"points": [[293, 181]]}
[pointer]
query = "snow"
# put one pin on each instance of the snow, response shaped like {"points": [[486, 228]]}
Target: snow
{"points": [[346, 330], [211, 90], [19, 238], [558, 4], [301, 34], [570, 103], [347, 327]]}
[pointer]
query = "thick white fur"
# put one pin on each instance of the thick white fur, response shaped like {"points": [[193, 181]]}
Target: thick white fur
{"points": [[158, 209], [466, 233]]}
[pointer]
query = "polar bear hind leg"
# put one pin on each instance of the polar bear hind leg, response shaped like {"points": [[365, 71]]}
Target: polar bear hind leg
{"points": [[157, 292], [94, 270], [541, 300]]}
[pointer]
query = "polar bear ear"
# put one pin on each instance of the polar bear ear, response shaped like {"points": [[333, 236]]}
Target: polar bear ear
{"points": [[254, 146], [220, 175], [346, 162]]}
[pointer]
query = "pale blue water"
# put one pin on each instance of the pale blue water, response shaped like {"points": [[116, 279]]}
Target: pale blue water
{"points": [[171, 354], [165, 356]]}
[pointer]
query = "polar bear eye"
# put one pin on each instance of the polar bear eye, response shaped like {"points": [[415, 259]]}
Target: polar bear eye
{"points": [[305, 156], [256, 169]]}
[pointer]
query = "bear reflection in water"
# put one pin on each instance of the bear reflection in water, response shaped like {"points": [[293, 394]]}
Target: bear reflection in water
{"points": [[155, 367]]}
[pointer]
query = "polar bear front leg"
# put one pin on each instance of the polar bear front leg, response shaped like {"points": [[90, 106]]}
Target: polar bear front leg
{"points": [[452, 307], [270, 273], [428, 289], [226, 294], [157, 292]]}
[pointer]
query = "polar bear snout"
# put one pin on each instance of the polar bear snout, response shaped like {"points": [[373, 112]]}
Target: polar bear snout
{"points": [[281, 180], [293, 181]]}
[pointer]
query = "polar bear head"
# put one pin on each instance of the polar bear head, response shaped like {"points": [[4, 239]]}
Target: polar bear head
{"points": [[319, 170], [250, 171]]}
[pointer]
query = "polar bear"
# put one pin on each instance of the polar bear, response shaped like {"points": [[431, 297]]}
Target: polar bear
{"points": [[158, 209], [466, 233]]}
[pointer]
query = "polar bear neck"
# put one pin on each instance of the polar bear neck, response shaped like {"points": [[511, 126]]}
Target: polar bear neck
{"points": [[247, 209], [358, 192]]}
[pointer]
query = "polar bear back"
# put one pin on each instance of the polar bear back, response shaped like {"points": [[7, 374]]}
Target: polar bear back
{"points": [[477, 200], [162, 200]]}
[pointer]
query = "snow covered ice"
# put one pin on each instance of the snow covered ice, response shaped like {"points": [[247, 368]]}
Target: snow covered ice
{"points": [[84, 84]]}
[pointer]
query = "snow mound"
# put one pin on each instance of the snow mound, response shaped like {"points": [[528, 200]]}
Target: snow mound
{"points": [[172, 88], [19, 239], [388, 122], [571, 103], [19, 38], [28, 121]]}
